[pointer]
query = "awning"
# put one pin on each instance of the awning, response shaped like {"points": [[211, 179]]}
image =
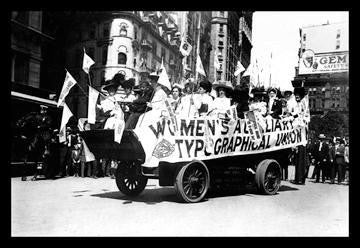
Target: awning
{"points": [[36, 99]]}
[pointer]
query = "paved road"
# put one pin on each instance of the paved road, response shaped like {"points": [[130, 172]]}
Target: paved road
{"points": [[94, 207]]}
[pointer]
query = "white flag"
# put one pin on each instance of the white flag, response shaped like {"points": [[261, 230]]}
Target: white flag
{"points": [[163, 77], [248, 71], [185, 47], [66, 115], [87, 62], [69, 82], [216, 63], [199, 66], [93, 96], [119, 124], [89, 156], [239, 68]]}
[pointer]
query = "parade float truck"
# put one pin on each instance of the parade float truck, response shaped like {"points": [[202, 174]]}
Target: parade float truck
{"points": [[198, 154]]}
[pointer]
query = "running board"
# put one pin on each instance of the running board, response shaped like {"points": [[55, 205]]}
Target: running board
{"points": [[152, 173]]}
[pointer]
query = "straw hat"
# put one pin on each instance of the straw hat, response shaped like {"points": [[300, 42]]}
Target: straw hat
{"points": [[226, 85]]}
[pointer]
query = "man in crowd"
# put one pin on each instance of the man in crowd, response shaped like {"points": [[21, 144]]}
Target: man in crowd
{"points": [[322, 158]]}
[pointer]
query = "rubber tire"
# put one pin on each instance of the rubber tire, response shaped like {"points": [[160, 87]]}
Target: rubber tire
{"points": [[260, 176], [179, 183], [120, 182]]}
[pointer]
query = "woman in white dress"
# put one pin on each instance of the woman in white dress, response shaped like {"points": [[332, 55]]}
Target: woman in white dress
{"points": [[222, 102]]}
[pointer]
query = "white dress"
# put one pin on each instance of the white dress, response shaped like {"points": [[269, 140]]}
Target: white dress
{"points": [[222, 104]]}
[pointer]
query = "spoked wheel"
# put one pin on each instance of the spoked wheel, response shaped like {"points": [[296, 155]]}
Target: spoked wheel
{"points": [[268, 177], [129, 179], [192, 182]]}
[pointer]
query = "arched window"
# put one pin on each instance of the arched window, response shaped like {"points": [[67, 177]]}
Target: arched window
{"points": [[122, 58], [123, 29]]}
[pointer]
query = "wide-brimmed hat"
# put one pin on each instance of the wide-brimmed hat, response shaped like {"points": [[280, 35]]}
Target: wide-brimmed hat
{"points": [[226, 85], [43, 107], [110, 84], [154, 75], [299, 91], [118, 78], [178, 86], [272, 90], [129, 84], [206, 85], [258, 91]]}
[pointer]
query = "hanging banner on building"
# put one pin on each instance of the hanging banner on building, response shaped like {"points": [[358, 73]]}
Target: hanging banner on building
{"points": [[210, 137], [311, 63]]}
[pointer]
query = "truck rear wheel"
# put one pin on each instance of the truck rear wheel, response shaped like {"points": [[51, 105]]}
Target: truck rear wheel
{"points": [[268, 176], [129, 179], [192, 182]]}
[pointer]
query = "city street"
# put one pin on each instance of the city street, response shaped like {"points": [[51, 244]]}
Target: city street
{"points": [[94, 207]]}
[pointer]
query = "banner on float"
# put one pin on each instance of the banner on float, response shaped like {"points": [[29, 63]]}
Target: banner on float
{"points": [[210, 138]]}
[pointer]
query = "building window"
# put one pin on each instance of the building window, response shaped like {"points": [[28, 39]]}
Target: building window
{"points": [[135, 33], [221, 28], [221, 13], [122, 59], [323, 103], [22, 16], [21, 68], [134, 63], [106, 32], [154, 46], [337, 44], [338, 34], [123, 30], [104, 55], [92, 32], [35, 19], [304, 37]]}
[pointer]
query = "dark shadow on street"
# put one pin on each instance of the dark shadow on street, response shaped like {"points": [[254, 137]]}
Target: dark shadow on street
{"points": [[286, 188], [148, 196], [168, 194]]}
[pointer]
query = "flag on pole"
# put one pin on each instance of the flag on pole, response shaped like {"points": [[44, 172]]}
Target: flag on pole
{"points": [[248, 71], [199, 66], [93, 96], [163, 77], [119, 125], [239, 68], [66, 115], [87, 62], [69, 82], [89, 156], [185, 47]]}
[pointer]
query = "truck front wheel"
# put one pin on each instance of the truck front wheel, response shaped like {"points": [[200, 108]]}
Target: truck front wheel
{"points": [[129, 179]]}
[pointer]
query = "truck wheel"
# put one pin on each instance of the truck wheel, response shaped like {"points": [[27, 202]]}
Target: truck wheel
{"points": [[129, 179], [192, 182], [268, 177]]}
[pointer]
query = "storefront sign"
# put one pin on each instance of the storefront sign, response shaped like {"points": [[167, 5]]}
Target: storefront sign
{"points": [[311, 63]]}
